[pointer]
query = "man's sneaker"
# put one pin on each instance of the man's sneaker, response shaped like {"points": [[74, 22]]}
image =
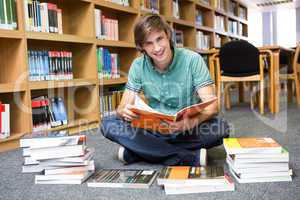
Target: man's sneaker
{"points": [[126, 156], [121, 154], [201, 157]]}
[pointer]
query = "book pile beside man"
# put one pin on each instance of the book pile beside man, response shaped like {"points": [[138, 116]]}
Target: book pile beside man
{"points": [[257, 160], [58, 157], [188, 179]]}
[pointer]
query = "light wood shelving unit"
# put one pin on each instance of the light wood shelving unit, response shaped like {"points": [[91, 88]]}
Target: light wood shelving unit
{"points": [[81, 95]]}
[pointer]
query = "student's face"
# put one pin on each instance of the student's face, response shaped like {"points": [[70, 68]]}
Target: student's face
{"points": [[157, 46]]}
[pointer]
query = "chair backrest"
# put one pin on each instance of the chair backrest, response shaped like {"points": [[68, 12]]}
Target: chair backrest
{"points": [[296, 61], [239, 58]]}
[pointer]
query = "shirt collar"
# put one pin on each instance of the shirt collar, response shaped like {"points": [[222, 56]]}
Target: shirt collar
{"points": [[150, 63]]}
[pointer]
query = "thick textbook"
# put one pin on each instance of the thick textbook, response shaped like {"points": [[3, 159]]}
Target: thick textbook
{"points": [[122, 178], [42, 139], [191, 176], [251, 145], [179, 189], [149, 118]]}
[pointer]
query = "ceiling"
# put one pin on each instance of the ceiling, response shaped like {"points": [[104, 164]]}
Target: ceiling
{"points": [[267, 5]]}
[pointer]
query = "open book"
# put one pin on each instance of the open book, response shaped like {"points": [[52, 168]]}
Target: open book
{"points": [[157, 121]]}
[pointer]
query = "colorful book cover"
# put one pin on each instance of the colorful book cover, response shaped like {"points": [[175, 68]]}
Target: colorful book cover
{"points": [[153, 120], [249, 145], [126, 178]]}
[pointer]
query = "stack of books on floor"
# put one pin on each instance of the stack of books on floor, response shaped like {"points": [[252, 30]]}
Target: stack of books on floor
{"points": [[257, 160], [58, 157], [188, 179], [122, 178]]}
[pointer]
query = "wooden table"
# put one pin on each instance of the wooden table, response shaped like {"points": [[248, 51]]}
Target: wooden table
{"points": [[274, 75]]}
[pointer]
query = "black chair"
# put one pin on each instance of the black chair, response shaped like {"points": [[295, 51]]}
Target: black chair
{"points": [[240, 61]]}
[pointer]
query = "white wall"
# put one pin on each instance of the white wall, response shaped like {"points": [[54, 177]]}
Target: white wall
{"points": [[255, 31], [286, 27]]}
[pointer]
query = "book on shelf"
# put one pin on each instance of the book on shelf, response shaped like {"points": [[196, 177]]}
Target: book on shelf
{"points": [[4, 120], [42, 17], [109, 102], [175, 7], [251, 145], [122, 178], [48, 112], [108, 64], [179, 189], [8, 15], [178, 38], [121, 2], [150, 6], [199, 18], [106, 28], [50, 65], [149, 118]]}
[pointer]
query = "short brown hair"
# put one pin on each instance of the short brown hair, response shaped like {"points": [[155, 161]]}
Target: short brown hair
{"points": [[146, 25]]}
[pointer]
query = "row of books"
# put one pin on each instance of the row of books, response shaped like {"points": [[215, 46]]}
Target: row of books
{"points": [[232, 8], [8, 14], [176, 12], [257, 160], [50, 65], [219, 4], [48, 113], [121, 2], [42, 17], [202, 40], [106, 28], [178, 38], [109, 102], [199, 18], [57, 157], [220, 22], [218, 41], [150, 6], [233, 27], [4, 120], [108, 64]]}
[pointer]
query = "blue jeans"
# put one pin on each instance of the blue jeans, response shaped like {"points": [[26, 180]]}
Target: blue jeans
{"points": [[173, 149]]}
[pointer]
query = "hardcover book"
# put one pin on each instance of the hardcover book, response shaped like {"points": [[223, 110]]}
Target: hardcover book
{"points": [[251, 145], [149, 118], [191, 176], [122, 178]]}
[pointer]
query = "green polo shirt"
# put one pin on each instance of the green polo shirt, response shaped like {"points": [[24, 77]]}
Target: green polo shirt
{"points": [[174, 89]]}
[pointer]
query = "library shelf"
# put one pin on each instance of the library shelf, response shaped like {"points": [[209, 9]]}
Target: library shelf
{"points": [[115, 6], [116, 81], [59, 37], [204, 28], [182, 22], [14, 136], [15, 34], [38, 85], [74, 124], [12, 87], [113, 43], [202, 5]]}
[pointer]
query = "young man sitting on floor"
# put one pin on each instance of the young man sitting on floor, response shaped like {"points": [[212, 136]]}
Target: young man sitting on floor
{"points": [[170, 78]]}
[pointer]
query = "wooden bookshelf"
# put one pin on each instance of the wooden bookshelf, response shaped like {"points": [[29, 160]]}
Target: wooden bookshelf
{"points": [[81, 95]]}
